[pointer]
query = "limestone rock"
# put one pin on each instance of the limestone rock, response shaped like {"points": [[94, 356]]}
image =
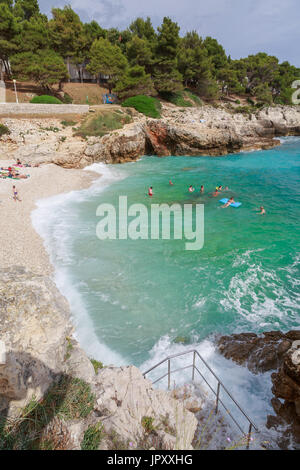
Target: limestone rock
{"points": [[35, 330], [124, 397]]}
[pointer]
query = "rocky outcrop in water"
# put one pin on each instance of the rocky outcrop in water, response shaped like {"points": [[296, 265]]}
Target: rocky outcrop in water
{"points": [[180, 131], [279, 352]]}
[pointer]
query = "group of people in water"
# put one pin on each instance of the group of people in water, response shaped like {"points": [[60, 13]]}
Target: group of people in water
{"points": [[216, 193]]}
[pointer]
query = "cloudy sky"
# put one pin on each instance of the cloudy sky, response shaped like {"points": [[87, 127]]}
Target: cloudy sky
{"points": [[242, 26]]}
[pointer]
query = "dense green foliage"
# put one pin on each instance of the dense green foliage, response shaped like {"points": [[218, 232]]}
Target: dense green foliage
{"points": [[137, 60], [183, 99], [144, 104], [45, 99]]}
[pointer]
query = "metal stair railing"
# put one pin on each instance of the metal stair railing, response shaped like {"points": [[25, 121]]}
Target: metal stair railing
{"points": [[220, 386]]}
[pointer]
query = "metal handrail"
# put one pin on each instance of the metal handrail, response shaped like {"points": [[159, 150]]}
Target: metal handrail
{"points": [[216, 393]]}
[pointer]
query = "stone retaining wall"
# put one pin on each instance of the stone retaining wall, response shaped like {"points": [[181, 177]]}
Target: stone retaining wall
{"points": [[30, 109]]}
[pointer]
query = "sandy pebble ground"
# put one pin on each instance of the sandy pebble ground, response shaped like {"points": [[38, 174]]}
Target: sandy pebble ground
{"points": [[20, 245]]}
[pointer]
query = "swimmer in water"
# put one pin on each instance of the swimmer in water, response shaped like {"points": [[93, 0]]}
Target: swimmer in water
{"points": [[230, 201], [170, 183], [150, 191], [191, 189], [215, 194], [262, 210], [202, 189]]}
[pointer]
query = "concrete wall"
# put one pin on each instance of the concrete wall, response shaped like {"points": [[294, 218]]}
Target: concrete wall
{"points": [[30, 109]]}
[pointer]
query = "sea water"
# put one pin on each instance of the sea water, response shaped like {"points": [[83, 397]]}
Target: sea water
{"points": [[138, 301]]}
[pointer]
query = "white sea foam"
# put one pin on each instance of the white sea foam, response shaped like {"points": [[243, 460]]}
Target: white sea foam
{"points": [[252, 392], [52, 220]]}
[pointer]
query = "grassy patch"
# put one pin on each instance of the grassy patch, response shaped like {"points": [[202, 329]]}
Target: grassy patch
{"points": [[68, 123], [92, 437], [97, 365], [4, 130], [68, 399], [45, 99], [69, 347], [144, 104], [50, 129], [147, 423], [103, 123]]}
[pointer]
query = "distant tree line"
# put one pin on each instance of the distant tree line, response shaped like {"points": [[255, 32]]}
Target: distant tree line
{"points": [[138, 60]]}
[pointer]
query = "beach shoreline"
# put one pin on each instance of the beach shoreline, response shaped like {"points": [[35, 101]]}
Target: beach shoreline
{"points": [[21, 245]]}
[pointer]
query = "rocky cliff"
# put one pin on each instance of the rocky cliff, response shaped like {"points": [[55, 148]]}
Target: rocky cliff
{"points": [[278, 352], [187, 131], [48, 379]]}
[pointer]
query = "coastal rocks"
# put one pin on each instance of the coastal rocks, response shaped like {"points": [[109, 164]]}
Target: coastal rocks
{"points": [[165, 139], [258, 353], [35, 335], [127, 144], [273, 351], [130, 408], [190, 131]]}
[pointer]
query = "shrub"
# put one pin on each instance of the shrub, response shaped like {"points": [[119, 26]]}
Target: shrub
{"points": [[185, 98], [4, 130], [45, 99], [144, 104], [67, 99], [237, 102]]}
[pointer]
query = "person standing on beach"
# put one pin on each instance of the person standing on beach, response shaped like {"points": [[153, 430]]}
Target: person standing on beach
{"points": [[15, 194]]}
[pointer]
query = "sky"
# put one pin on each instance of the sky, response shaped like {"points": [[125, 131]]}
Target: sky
{"points": [[243, 27]]}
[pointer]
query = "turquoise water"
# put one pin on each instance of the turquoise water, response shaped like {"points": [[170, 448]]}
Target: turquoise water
{"points": [[132, 299]]}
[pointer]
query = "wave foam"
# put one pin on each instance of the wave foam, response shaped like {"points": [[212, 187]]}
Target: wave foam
{"points": [[52, 220]]}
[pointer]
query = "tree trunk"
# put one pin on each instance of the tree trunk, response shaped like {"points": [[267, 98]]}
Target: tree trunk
{"points": [[68, 67]]}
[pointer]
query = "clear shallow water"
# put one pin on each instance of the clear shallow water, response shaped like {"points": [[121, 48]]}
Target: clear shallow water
{"points": [[132, 299]]}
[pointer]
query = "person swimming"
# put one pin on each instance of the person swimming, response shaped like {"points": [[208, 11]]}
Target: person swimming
{"points": [[150, 191], [191, 189], [230, 201], [202, 189], [170, 183], [215, 194], [262, 210]]}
